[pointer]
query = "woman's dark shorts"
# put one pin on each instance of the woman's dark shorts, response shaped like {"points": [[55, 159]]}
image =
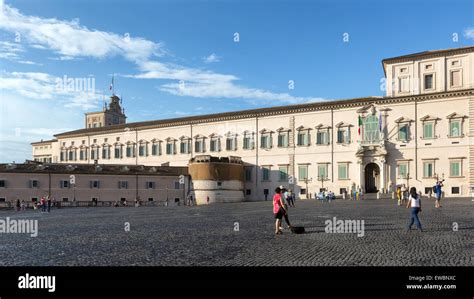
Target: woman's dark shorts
{"points": [[279, 215]]}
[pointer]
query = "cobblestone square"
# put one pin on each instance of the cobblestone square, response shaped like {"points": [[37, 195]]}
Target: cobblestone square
{"points": [[208, 235]]}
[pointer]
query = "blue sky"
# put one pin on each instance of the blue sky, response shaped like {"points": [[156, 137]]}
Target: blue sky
{"points": [[179, 58]]}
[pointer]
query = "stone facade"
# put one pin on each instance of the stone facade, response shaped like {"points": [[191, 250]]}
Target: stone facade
{"points": [[219, 179], [422, 130], [102, 182]]}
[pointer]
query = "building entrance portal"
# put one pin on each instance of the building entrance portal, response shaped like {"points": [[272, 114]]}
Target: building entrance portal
{"points": [[372, 178]]}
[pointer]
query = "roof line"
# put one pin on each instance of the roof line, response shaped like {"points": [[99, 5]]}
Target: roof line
{"points": [[242, 114]]}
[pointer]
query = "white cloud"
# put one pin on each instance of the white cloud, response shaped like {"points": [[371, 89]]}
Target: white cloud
{"points": [[212, 58], [66, 38], [44, 86], [469, 33], [70, 39], [229, 90]]}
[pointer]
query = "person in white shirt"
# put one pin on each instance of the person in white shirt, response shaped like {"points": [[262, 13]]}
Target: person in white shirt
{"points": [[414, 202]]}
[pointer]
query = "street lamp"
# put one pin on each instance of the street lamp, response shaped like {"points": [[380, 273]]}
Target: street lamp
{"points": [[321, 178]]}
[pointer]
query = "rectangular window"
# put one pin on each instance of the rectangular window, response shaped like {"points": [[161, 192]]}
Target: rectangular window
{"points": [[456, 78], [303, 191], [248, 174], [3, 183], [265, 173], [118, 152], [214, 145], [105, 152], [95, 184], [265, 141], [403, 84], [428, 130], [302, 172], [231, 144], [199, 146], [342, 170], [170, 148], [248, 191], [155, 149], [150, 185], [123, 184], [248, 142], [455, 128], [402, 170], [455, 190], [322, 171], [64, 184], [65, 199], [343, 135], [322, 137], [283, 139], [71, 155], [428, 169], [403, 132], [34, 184], [184, 147], [303, 138], [130, 151], [428, 80], [283, 173], [142, 150], [455, 168]]}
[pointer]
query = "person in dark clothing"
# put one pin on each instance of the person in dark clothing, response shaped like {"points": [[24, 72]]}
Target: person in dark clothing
{"points": [[49, 204]]}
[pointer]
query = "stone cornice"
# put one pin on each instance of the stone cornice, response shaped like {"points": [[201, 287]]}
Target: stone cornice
{"points": [[265, 112]]}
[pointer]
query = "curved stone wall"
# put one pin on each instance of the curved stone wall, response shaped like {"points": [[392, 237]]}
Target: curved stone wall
{"points": [[222, 180]]}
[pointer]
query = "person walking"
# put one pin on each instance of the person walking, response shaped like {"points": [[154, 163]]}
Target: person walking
{"points": [[404, 194], [18, 205], [285, 205], [207, 199], [399, 195], [437, 192], [291, 199], [43, 204], [278, 210], [23, 205], [49, 203], [414, 202]]}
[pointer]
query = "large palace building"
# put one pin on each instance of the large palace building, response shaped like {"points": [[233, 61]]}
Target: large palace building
{"points": [[422, 130]]}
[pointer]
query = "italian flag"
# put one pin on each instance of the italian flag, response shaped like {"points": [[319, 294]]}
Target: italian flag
{"points": [[360, 124]]}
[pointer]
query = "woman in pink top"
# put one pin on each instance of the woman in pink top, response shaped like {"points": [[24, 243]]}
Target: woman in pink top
{"points": [[278, 210]]}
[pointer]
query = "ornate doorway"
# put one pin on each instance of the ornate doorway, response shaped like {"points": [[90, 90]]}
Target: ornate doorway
{"points": [[372, 178]]}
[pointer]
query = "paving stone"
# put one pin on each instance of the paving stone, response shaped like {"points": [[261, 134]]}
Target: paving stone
{"points": [[204, 235]]}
